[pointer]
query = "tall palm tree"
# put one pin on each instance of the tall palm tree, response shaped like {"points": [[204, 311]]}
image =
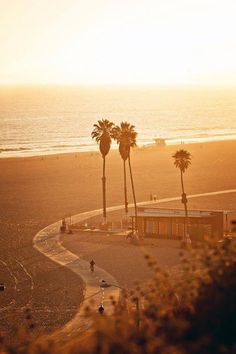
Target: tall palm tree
{"points": [[125, 135], [102, 133], [182, 160]]}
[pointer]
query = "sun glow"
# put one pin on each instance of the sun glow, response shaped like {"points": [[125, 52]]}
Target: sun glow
{"points": [[125, 42]]}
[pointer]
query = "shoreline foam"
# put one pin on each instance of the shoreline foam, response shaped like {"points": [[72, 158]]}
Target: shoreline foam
{"points": [[25, 153]]}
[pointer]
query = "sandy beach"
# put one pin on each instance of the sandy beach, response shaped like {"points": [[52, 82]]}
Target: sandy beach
{"points": [[40, 190]]}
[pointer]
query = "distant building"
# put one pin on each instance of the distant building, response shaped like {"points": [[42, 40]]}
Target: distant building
{"points": [[160, 142], [169, 223]]}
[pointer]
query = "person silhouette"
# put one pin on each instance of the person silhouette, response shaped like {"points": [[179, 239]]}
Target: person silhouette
{"points": [[101, 309], [92, 264]]}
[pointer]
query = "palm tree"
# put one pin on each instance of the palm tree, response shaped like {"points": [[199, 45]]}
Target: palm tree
{"points": [[125, 135], [102, 133], [182, 160]]}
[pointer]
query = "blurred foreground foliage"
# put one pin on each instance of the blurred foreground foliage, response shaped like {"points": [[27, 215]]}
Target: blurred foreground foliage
{"points": [[191, 309]]}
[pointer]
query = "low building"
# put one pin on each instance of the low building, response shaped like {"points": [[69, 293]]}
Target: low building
{"points": [[169, 223]]}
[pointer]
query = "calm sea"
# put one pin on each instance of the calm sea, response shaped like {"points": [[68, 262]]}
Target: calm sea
{"points": [[45, 120]]}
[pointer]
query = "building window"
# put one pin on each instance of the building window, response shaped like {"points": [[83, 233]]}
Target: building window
{"points": [[163, 229], [152, 227], [177, 230]]}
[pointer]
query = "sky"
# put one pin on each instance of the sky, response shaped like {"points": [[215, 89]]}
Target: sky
{"points": [[96, 42]]}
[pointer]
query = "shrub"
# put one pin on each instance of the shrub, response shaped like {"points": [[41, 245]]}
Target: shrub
{"points": [[193, 311]]}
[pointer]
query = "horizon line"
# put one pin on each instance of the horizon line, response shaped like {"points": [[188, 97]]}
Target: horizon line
{"points": [[217, 86]]}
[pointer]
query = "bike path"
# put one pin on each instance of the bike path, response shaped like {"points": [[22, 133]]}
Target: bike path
{"points": [[47, 241]]}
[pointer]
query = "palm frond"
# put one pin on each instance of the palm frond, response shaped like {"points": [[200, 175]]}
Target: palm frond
{"points": [[102, 134], [182, 159], [125, 135]]}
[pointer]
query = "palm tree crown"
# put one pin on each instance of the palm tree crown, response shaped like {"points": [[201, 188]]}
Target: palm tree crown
{"points": [[182, 159], [125, 135], [102, 134]]}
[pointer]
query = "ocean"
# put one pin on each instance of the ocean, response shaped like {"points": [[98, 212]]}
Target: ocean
{"points": [[42, 120]]}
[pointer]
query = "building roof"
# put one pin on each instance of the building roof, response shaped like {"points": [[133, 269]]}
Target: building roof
{"points": [[180, 213]]}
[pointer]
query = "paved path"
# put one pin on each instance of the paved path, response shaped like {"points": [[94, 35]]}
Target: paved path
{"points": [[47, 241]]}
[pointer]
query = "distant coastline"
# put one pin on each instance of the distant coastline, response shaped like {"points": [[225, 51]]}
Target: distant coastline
{"points": [[37, 121], [24, 153]]}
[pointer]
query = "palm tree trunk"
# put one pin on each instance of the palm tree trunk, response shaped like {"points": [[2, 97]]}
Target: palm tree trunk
{"points": [[125, 188], [134, 197], [184, 201], [104, 190]]}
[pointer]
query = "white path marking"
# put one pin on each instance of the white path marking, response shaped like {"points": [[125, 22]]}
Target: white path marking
{"points": [[12, 303]]}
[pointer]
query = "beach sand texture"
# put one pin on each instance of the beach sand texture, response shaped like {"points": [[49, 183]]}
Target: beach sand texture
{"points": [[38, 191]]}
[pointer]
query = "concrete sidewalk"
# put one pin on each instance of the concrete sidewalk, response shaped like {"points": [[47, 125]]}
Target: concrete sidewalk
{"points": [[47, 242]]}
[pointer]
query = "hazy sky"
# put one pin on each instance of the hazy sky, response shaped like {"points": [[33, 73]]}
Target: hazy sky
{"points": [[118, 41]]}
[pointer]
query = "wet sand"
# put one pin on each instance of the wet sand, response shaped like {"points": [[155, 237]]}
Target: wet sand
{"points": [[38, 191]]}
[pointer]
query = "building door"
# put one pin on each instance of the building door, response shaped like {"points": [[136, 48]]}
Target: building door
{"points": [[163, 229]]}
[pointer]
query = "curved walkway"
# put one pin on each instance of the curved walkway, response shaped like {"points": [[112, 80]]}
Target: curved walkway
{"points": [[47, 241]]}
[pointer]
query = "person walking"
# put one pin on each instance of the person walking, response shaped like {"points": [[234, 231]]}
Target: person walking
{"points": [[92, 264], [101, 309]]}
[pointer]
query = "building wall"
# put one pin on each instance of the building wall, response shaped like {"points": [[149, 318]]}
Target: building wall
{"points": [[228, 218], [200, 229]]}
